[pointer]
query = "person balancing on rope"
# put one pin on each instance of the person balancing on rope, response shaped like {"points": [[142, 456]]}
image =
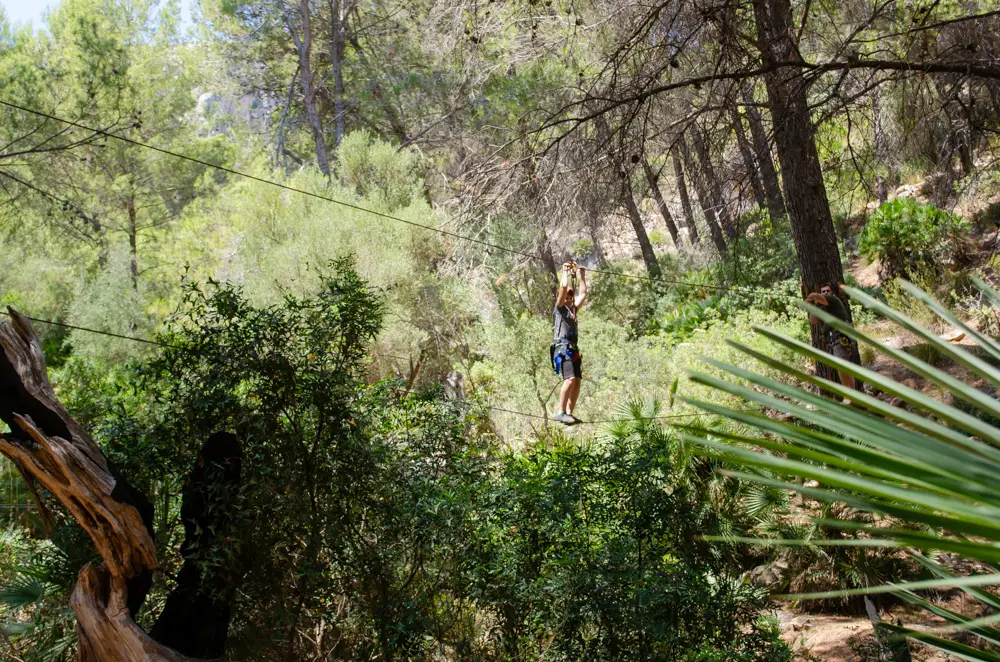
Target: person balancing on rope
{"points": [[834, 342], [566, 359]]}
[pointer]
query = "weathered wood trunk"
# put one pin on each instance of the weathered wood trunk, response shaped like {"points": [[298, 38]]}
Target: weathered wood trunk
{"points": [[808, 208], [661, 204], [60, 456], [682, 193]]}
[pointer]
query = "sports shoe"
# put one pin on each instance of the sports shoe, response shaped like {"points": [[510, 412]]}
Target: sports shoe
{"points": [[566, 419]]}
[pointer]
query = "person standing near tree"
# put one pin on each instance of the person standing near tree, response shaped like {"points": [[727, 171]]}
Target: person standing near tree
{"points": [[565, 354], [834, 342]]}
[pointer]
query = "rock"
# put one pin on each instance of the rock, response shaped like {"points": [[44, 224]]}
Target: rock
{"points": [[770, 574], [954, 335], [894, 342], [907, 191]]}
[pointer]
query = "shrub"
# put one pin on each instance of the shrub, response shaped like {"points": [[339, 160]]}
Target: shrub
{"points": [[765, 251], [595, 549], [905, 235], [378, 171], [583, 247]]}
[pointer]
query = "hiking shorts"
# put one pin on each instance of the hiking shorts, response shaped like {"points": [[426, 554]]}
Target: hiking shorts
{"points": [[842, 348], [573, 369]]}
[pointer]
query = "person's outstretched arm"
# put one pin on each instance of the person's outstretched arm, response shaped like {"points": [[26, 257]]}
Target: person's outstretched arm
{"points": [[816, 300], [563, 285], [581, 297]]}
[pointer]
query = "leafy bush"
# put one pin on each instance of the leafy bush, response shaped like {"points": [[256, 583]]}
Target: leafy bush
{"points": [[905, 235], [399, 519], [36, 578], [764, 252], [595, 550], [583, 247], [376, 170]]}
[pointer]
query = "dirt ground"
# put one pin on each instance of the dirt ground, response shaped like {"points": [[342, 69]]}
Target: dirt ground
{"points": [[829, 638]]}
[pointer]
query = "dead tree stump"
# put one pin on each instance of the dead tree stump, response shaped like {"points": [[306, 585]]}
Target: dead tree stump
{"points": [[60, 456]]}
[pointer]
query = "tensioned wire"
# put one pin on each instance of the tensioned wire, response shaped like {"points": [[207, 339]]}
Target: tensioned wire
{"points": [[318, 196], [448, 233], [465, 403]]}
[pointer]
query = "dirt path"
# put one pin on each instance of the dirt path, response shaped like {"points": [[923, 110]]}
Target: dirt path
{"points": [[828, 638]]}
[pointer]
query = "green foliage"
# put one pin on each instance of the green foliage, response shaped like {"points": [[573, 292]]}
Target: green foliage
{"points": [[583, 247], [400, 517], [111, 302], [34, 594], [905, 236], [764, 252], [378, 171], [512, 370]]}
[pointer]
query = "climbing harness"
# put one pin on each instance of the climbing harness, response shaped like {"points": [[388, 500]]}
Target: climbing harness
{"points": [[560, 352]]}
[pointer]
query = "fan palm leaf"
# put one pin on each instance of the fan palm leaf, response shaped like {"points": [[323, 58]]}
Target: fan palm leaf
{"points": [[927, 468]]}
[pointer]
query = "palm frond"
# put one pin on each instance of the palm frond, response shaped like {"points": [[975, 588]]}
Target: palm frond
{"points": [[928, 469], [22, 592]]}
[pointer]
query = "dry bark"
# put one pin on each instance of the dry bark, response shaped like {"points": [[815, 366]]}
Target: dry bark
{"points": [[701, 190], [682, 192], [648, 255], [749, 162], [302, 35], [808, 208], [338, 40], [661, 204], [762, 150], [711, 181], [58, 453]]}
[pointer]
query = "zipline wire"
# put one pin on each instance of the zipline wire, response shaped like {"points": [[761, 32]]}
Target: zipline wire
{"points": [[461, 402], [98, 332], [448, 233], [348, 205]]}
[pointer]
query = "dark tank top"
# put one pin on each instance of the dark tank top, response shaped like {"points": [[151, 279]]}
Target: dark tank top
{"points": [[565, 324]]}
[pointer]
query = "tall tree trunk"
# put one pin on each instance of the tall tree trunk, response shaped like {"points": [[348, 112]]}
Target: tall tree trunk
{"points": [[648, 256], [593, 229], [627, 198], [703, 198], [682, 192], [661, 204], [808, 207], [133, 243], [302, 36], [548, 259], [279, 143], [762, 150], [56, 452], [711, 181], [746, 152], [338, 39]]}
